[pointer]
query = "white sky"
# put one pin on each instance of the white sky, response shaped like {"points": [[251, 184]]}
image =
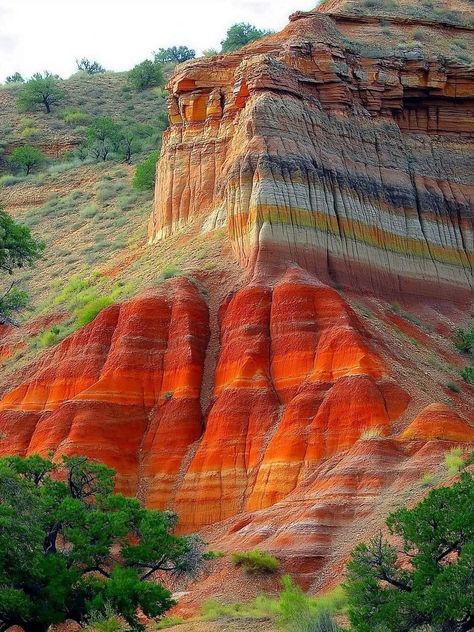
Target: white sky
{"points": [[37, 35]]}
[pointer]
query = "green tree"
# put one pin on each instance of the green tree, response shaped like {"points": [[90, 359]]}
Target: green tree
{"points": [[88, 66], [69, 546], [431, 580], [15, 78], [104, 136], [146, 75], [26, 158], [240, 34], [144, 178], [175, 55], [17, 249], [41, 90]]}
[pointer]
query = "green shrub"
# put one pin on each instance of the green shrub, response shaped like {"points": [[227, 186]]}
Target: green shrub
{"points": [[427, 479], [147, 74], [453, 460], [9, 181], [106, 621], [92, 309], [75, 117], [144, 178], [168, 622], [168, 273], [256, 561], [453, 387], [467, 374], [464, 340]]}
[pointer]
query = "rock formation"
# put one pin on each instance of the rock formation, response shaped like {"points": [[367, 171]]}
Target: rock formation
{"points": [[334, 167], [350, 162]]}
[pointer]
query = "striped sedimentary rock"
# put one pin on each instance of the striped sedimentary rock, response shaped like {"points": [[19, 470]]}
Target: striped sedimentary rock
{"points": [[314, 153]]}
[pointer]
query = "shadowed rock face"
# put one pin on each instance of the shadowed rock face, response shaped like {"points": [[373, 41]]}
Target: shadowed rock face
{"points": [[311, 151]]}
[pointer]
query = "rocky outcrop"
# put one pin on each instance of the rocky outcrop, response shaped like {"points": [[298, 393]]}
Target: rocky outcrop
{"points": [[103, 391], [313, 151]]}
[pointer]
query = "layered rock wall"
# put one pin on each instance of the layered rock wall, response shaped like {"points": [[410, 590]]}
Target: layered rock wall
{"points": [[313, 153]]}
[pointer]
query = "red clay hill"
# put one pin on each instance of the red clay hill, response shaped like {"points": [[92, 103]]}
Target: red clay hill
{"points": [[291, 412]]}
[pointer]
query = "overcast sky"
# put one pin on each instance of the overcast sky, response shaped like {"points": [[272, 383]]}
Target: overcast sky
{"points": [[37, 35]]}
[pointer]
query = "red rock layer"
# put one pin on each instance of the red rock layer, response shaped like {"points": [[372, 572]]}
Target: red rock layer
{"points": [[438, 421], [297, 381], [100, 391]]}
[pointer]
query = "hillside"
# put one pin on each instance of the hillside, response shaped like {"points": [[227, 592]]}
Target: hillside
{"points": [[275, 357]]}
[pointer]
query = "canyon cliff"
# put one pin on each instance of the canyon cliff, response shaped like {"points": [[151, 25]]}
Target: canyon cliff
{"points": [[290, 411]]}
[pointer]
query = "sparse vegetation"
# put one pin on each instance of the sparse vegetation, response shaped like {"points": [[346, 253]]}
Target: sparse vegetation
{"points": [[453, 461], [256, 561], [453, 387], [368, 434]]}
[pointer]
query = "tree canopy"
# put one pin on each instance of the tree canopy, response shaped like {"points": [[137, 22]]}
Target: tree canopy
{"points": [[88, 66], [174, 54], [69, 546], [17, 249], [15, 78], [26, 158], [240, 34], [147, 74], [144, 178], [429, 580], [41, 90]]}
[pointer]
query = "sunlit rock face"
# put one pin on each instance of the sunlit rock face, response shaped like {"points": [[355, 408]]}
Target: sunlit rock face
{"points": [[286, 421], [105, 390], [353, 166]]}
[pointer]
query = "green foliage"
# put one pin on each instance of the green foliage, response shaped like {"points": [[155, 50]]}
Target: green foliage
{"points": [[453, 387], [144, 178], [75, 117], [453, 461], [106, 621], [90, 311], [241, 34], [12, 301], [26, 158], [41, 90], [427, 479], [256, 561], [17, 246], [293, 610], [467, 374], [174, 55], [168, 622], [15, 78], [89, 67], [464, 340], [65, 549], [145, 75], [169, 273], [103, 137], [428, 580]]}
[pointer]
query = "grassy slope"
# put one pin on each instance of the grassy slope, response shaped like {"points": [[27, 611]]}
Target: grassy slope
{"points": [[92, 220]]}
